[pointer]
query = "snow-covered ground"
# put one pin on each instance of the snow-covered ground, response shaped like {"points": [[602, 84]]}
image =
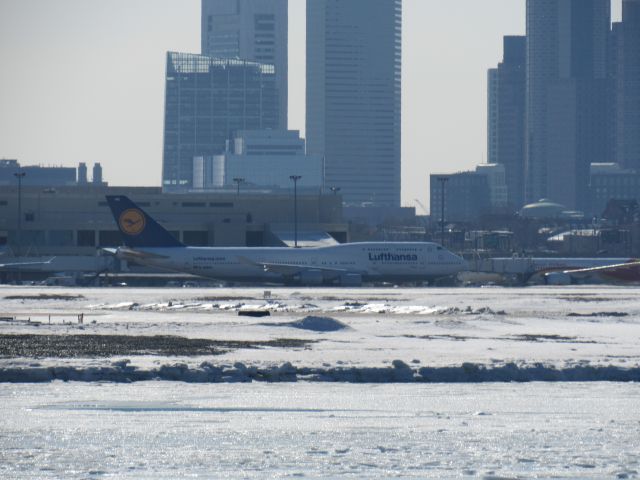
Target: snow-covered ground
{"points": [[168, 430], [359, 335]]}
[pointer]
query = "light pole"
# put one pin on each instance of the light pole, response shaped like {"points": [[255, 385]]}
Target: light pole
{"points": [[295, 179], [19, 176], [238, 181], [443, 182], [335, 190]]}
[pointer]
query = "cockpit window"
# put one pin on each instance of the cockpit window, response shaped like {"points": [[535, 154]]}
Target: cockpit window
{"points": [[439, 248]]}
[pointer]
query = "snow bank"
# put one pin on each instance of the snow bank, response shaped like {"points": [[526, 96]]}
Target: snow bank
{"points": [[399, 372]]}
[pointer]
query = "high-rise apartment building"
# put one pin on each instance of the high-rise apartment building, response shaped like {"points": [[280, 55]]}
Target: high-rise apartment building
{"points": [[253, 30], [206, 100], [566, 110], [354, 60], [627, 86], [506, 116]]}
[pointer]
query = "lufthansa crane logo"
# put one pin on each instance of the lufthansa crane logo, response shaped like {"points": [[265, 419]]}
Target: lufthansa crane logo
{"points": [[132, 221]]}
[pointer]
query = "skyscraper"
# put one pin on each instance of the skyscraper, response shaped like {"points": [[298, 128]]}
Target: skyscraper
{"points": [[354, 60], [566, 96], [207, 99], [627, 86], [253, 30], [492, 115], [615, 39], [506, 107]]}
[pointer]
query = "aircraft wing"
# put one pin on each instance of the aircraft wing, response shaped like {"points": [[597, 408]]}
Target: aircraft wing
{"points": [[131, 254], [289, 270]]}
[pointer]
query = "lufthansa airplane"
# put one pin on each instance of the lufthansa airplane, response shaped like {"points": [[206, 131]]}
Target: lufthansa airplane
{"points": [[148, 243]]}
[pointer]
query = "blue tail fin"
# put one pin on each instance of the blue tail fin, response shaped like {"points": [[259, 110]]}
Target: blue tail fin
{"points": [[137, 228]]}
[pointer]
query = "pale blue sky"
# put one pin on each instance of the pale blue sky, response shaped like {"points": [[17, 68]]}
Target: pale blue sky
{"points": [[83, 80]]}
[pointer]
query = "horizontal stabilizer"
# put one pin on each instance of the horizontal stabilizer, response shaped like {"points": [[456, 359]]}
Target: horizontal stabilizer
{"points": [[131, 254], [25, 264]]}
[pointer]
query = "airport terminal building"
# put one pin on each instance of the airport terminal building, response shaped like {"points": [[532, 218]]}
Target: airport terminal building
{"points": [[76, 221]]}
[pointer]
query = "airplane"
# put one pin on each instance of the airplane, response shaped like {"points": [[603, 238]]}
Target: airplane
{"points": [[147, 243]]}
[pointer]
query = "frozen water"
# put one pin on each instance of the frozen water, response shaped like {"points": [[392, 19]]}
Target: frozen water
{"points": [[162, 430], [270, 412]]}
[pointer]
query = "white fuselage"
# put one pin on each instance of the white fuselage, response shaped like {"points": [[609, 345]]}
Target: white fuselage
{"points": [[371, 261]]}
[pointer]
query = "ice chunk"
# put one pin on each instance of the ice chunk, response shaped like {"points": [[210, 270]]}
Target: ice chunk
{"points": [[319, 324]]}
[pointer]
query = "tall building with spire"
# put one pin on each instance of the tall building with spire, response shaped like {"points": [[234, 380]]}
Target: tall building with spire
{"points": [[250, 30], [566, 109], [354, 75]]}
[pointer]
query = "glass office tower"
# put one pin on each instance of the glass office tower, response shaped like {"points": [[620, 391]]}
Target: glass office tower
{"points": [[628, 86], [206, 100], [254, 30], [354, 63], [566, 104]]}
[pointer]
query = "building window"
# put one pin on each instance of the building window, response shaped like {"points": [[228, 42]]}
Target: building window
{"points": [[109, 238], [3, 203], [221, 204], [254, 239], [86, 238], [195, 238], [32, 238], [29, 217], [61, 238]]}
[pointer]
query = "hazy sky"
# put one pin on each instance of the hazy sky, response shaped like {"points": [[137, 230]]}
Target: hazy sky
{"points": [[83, 81]]}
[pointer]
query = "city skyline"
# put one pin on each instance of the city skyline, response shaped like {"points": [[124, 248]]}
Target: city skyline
{"points": [[86, 81]]}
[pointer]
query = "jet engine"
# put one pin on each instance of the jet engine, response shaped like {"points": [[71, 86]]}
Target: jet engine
{"points": [[310, 277], [557, 278], [350, 280]]}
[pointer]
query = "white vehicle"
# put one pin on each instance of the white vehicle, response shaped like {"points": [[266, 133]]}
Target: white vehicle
{"points": [[148, 243]]}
